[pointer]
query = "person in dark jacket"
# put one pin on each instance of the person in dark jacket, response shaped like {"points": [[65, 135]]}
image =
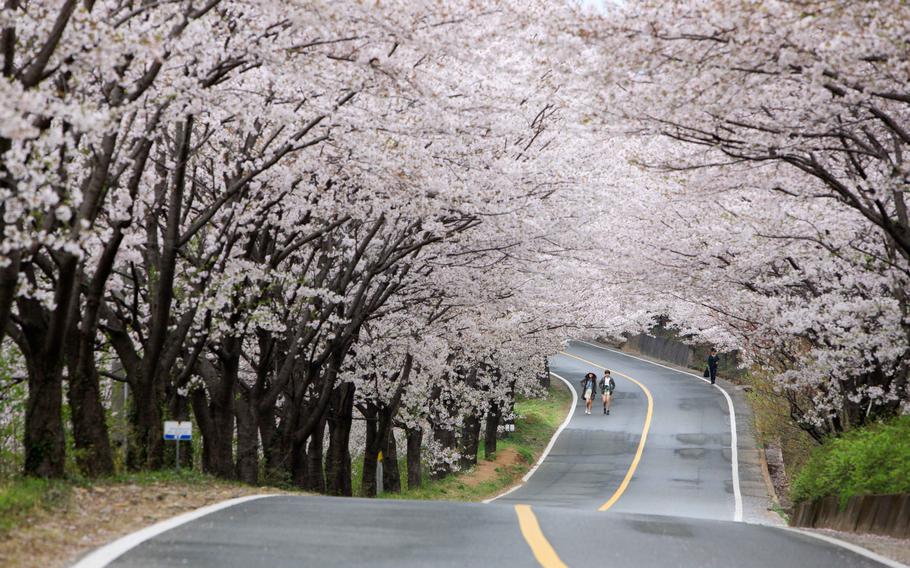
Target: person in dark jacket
{"points": [[589, 388], [607, 384], [712, 365]]}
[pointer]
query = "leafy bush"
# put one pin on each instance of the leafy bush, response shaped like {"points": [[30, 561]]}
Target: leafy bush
{"points": [[871, 460]]}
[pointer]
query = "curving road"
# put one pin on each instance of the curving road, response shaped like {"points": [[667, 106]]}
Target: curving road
{"points": [[663, 480]]}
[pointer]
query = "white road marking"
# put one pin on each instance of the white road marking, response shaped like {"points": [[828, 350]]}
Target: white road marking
{"points": [[734, 450], [849, 546], [106, 554], [549, 447]]}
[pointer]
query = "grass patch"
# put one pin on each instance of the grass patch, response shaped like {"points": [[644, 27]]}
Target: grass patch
{"points": [[865, 461], [22, 497], [537, 420]]}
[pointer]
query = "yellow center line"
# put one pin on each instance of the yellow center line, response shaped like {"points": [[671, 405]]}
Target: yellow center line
{"points": [[539, 544], [641, 443]]}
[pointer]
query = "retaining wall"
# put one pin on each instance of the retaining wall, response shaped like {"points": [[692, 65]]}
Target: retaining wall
{"points": [[660, 348], [887, 515]]}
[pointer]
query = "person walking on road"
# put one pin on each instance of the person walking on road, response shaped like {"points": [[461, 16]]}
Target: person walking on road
{"points": [[589, 388], [712, 365], [607, 384]]}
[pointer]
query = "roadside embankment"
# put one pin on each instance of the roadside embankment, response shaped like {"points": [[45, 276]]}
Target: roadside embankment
{"points": [[50, 523], [859, 482]]}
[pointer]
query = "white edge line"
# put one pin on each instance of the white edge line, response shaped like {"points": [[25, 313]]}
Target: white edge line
{"points": [[107, 553], [734, 442], [549, 447], [849, 546]]}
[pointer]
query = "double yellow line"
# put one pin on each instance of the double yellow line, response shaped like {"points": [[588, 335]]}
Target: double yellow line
{"points": [[541, 548]]}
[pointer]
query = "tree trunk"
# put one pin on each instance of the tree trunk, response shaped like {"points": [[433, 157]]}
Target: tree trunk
{"points": [[217, 426], [446, 439], [415, 443], [278, 447], [146, 448], [90, 435], [470, 441], [338, 470], [247, 441], [492, 426], [315, 473], [370, 452], [391, 476], [222, 458], [299, 464], [45, 448]]}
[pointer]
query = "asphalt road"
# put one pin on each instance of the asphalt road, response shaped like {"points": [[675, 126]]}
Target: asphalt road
{"points": [[676, 507]]}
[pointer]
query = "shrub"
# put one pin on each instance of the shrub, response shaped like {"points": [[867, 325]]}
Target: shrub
{"points": [[870, 460]]}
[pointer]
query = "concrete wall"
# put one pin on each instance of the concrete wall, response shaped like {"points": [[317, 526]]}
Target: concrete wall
{"points": [[660, 348], [887, 515]]}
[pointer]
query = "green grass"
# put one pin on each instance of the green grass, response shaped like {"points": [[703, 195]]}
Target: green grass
{"points": [[537, 420], [21, 497], [866, 461]]}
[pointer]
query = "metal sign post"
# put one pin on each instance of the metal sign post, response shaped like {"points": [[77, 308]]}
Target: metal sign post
{"points": [[178, 431]]}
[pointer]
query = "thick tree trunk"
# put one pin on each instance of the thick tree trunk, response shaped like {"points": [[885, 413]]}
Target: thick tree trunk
{"points": [[415, 443], [338, 470], [446, 439], [492, 426], [90, 435], [146, 448], [299, 464], [391, 476], [271, 448], [278, 453], [45, 449], [370, 452], [222, 458], [247, 441], [315, 473], [470, 441], [217, 425]]}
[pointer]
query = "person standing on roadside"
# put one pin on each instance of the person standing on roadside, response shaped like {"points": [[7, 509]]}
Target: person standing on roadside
{"points": [[712, 365], [589, 388], [607, 384]]}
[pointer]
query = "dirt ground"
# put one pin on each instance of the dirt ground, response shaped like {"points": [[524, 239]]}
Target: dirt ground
{"points": [[486, 470], [100, 514]]}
